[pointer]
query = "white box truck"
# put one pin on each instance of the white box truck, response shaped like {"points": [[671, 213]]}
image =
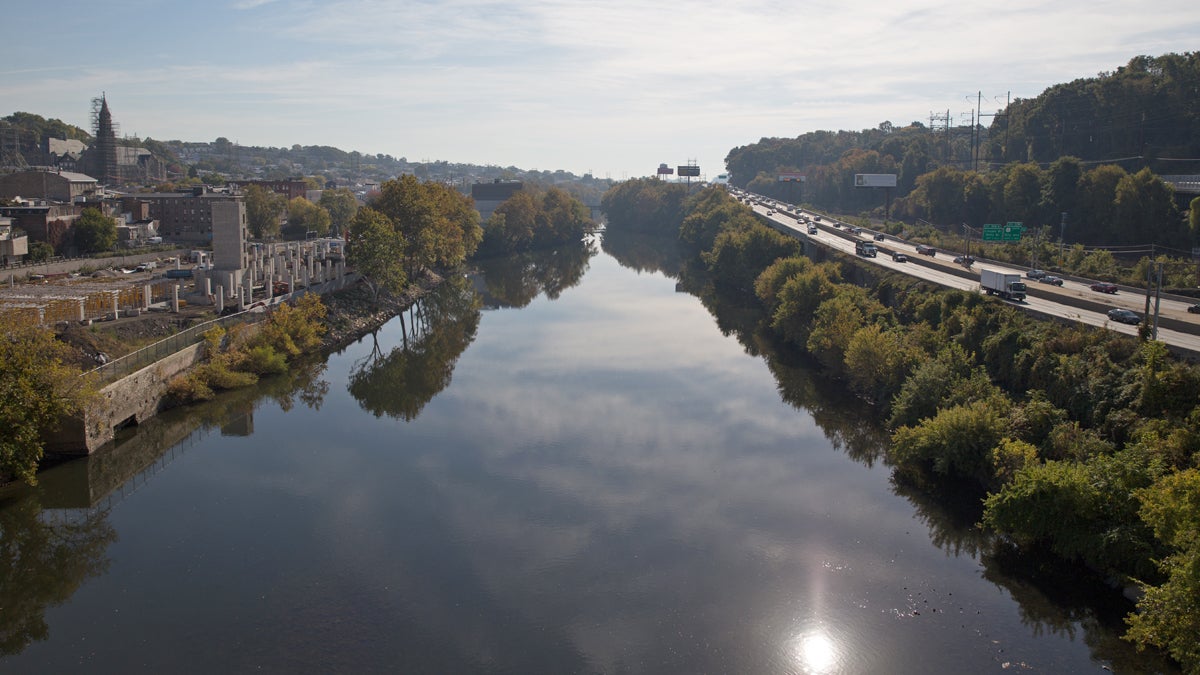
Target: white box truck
{"points": [[1007, 286]]}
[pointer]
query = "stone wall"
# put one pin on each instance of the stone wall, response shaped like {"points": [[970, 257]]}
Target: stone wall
{"points": [[132, 399]]}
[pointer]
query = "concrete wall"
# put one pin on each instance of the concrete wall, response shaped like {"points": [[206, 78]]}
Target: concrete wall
{"points": [[133, 398]]}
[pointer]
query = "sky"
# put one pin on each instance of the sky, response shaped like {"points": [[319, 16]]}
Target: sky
{"points": [[613, 88]]}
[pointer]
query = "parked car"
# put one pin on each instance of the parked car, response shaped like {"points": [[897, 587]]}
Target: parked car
{"points": [[1124, 316], [1194, 309], [1104, 287], [926, 250], [899, 257], [1035, 274], [1051, 279]]}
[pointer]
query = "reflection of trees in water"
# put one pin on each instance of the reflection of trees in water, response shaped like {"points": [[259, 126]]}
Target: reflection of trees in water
{"points": [[43, 561], [644, 252], [1061, 602], [1061, 599], [514, 281], [437, 330]]}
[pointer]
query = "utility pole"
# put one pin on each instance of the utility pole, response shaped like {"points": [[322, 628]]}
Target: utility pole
{"points": [[1062, 232]]}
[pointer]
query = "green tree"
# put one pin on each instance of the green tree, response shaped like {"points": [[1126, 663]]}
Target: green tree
{"points": [[37, 389], [39, 251], [263, 209], [376, 251], [94, 232], [956, 442], [306, 216], [1169, 614], [440, 225], [341, 205]]}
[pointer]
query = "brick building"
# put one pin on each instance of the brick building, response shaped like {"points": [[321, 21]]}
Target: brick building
{"points": [[44, 222], [59, 186], [185, 217]]}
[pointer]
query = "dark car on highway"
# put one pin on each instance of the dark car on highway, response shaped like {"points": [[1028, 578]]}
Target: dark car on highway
{"points": [[899, 257], [1124, 316], [1194, 309], [1051, 279], [1104, 287], [1035, 274]]}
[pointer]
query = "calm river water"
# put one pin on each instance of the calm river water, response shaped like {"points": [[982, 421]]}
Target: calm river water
{"points": [[568, 466]]}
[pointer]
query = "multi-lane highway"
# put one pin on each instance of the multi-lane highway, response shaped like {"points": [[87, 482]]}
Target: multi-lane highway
{"points": [[1074, 300]]}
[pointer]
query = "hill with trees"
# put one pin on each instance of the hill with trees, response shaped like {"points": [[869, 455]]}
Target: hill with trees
{"points": [[1093, 149]]}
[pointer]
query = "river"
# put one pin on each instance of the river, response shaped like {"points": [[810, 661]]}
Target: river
{"points": [[566, 465]]}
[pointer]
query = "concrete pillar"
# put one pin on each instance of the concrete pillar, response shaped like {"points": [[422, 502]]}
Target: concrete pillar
{"points": [[147, 295], [248, 289], [208, 287], [241, 299], [220, 299], [269, 283], [115, 308], [175, 298], [307, 279], [82, 309]]}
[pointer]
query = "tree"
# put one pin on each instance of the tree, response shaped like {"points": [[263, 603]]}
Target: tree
{"points": [[341, 205], [94, 232], [376, 250], [1169, 615], [263, 209], [440, 225], [37, 389], [308, 217], [39, 251]]}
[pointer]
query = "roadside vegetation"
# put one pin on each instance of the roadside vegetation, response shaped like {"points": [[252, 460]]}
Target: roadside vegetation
{"points": [[239, 357], [1082, 444]]}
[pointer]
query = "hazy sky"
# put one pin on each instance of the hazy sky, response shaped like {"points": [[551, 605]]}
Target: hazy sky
{"points": [[610, 87]]}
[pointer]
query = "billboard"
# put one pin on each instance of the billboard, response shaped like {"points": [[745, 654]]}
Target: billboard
{"points": [[884, 180], [791, 177], [664, 170], [689, 170]]}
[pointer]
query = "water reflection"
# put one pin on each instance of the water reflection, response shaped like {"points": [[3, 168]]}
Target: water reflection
{"points": [[44, 558], [644, 252], [435, 332], [515, 281]]}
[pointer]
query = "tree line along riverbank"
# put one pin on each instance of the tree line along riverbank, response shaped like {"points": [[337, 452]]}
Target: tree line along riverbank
{"points": [[1080, 444]]}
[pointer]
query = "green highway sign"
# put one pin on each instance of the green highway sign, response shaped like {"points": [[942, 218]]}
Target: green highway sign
{"points": [[1008, 232]]}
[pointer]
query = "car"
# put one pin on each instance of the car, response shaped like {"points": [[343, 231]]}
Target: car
{"points": [[856, 230], [1051, 279], [1124, 316], [1104, 287], [1194, 309], [899, 257], [1035, 274], [926, 250], [812, 229], [878, 236], [964, 260]]}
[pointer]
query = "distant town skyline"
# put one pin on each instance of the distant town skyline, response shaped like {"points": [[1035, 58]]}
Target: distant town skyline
{"points": [[612, 88]]}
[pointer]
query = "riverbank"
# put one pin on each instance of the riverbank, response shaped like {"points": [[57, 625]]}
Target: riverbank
{"points": [[353, 312]]}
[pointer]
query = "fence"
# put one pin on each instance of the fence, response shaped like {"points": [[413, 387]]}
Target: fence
{"points": [[135, 361]]}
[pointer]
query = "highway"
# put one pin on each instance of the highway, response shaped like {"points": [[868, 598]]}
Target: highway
{"points": [[1073, 301]]}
